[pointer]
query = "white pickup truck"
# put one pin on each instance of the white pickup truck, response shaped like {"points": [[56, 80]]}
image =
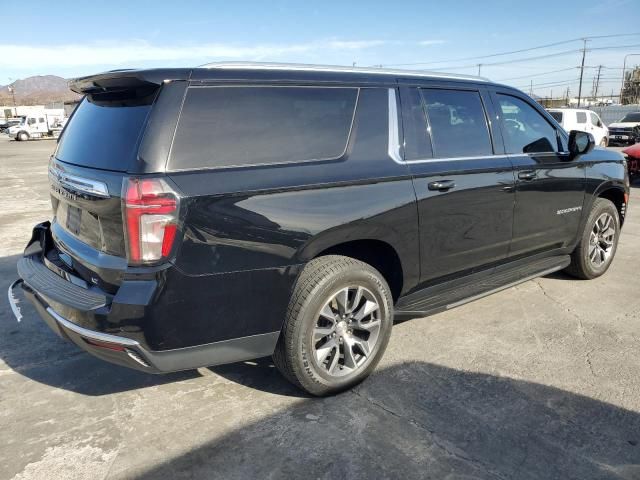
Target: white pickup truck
{"points": [[40, 124]]}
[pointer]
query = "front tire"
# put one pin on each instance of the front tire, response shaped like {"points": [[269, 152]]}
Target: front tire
{"points": [[604, 142], [22, 137], [597, 247], [337, 327]]}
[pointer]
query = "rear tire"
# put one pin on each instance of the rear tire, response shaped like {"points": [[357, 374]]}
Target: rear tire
{"points": [[598, 243], [337, 326]]}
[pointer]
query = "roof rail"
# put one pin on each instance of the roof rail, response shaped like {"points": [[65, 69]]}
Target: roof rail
{"points": [[336, 68]]}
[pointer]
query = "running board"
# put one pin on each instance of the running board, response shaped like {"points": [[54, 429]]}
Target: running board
{"points": [[458, 292]]}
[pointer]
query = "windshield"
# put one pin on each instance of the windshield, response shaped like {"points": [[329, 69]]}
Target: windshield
{"points": [[631, 117]]}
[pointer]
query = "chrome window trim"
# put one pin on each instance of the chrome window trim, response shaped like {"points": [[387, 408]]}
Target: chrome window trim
{"points": [[394, 129], [79, 184], [456, 159]]}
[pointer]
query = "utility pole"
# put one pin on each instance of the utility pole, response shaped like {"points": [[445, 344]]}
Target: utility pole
{"points": [[531, 89], [597, 85], [479, 66], [584, 52]]}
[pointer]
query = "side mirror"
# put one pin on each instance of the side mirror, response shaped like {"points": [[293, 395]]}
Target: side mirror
{"points": [[580, 143]]}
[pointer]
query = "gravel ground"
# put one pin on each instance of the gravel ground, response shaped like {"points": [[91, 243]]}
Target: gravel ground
{"points": [[538, 381]]}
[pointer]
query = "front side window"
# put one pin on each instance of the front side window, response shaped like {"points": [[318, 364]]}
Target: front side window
{"points": [[525, 129], [31, 121], [241, 126], [457, 123], [595, 120], [581, 117]]}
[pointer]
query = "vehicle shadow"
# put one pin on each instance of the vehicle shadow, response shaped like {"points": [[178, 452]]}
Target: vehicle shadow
{"points": [[31, 349], [420, 420], [260, 374]]}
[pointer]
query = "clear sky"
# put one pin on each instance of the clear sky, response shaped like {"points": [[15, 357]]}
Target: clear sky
{"points": [[76, 38]]}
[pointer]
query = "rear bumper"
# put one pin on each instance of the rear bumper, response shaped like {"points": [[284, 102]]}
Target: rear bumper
{"points": [[130, 353], [116, 327]]}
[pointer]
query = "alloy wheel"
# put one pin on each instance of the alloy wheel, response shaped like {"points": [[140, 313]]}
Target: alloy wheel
{"points": [[602, 239], [346, 331]]}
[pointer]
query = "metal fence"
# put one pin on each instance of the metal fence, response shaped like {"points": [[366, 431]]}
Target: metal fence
{"points": [[613, 113]]}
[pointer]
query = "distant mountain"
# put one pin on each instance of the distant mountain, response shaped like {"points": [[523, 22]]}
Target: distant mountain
{"points": [[37, 89]]}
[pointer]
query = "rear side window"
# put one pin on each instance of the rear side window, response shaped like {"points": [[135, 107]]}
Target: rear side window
{"points": [[525, 129], [557, 116], [241, 126], [458, 123], [105, 130], [581, 117]]}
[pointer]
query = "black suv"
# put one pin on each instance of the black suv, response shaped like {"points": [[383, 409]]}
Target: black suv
{"points": [[229, 212]]}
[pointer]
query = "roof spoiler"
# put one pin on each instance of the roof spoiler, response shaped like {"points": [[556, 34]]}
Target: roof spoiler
{"points": [[118, 80]]}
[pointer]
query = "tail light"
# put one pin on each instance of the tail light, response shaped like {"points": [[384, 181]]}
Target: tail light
{"points": [[150, 213]]}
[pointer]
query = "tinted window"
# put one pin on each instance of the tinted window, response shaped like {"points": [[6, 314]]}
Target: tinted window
{"points": [[234, 126], [594, 118], [525, 129], [416, 136], [581, 117], [631, 117], [458, 123], [104, 132], [557, 116]]}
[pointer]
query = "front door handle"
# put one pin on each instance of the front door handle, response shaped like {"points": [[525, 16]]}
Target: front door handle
{"points": [[527, 175], [442, 185]]}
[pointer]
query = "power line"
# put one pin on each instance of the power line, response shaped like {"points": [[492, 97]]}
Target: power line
{"points": [[539, 47], [506, 62], [537, 74]]}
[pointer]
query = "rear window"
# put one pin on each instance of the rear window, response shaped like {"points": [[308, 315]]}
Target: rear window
{"points": [[557, 116], [105, 130], [241, 126]]}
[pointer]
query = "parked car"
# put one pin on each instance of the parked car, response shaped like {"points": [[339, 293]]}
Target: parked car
{"points": [[633, 160], [582, 120], [10, 122], [627, 130], [225, 213]]}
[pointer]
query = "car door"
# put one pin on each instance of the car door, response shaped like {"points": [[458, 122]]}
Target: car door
{"points": [[464, 186], [549, 185]]}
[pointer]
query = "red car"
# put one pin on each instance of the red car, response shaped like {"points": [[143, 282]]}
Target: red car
{"points": [[633, 155]]}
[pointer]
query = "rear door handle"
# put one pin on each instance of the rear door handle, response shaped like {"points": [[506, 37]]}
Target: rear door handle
{"points": [[527, 175], [442, 185]]}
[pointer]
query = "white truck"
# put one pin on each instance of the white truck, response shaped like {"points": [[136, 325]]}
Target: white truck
{"points": [[583, 120], [39, 124]]}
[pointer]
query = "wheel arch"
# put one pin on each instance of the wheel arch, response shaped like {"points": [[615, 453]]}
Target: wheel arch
{"points": [[616, 194], [380, 254]]}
